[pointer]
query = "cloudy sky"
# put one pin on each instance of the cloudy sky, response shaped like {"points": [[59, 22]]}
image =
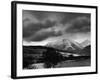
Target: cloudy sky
{"points": [[40, 27]]}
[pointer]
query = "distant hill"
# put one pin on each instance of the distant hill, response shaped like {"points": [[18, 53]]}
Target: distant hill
{"points": [[85, 43], [86, 51], [65, 44]]}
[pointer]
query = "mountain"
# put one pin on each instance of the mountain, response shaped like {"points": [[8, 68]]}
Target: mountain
{"points": [[86, 51], [85, 43], [65, 44]]}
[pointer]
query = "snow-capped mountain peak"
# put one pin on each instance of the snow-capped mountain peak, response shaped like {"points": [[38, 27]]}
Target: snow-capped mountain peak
{"points": [[65, 44]]}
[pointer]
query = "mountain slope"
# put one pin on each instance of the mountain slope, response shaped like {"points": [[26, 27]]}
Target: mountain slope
{"points": [[86, 51], [85, 43]]}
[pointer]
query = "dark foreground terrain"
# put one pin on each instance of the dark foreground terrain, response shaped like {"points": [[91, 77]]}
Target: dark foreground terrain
{"points": [[74, 63], [37, 57], [62, 64]]}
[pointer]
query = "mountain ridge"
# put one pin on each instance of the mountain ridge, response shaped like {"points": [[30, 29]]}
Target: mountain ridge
{"points": [[65, 44], [86, 43]]}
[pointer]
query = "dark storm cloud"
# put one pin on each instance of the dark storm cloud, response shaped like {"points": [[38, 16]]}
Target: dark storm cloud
{"points": [[32, 28], [42, 16], [68, 17], [80, 24], [43, 34], [38, 25]]}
